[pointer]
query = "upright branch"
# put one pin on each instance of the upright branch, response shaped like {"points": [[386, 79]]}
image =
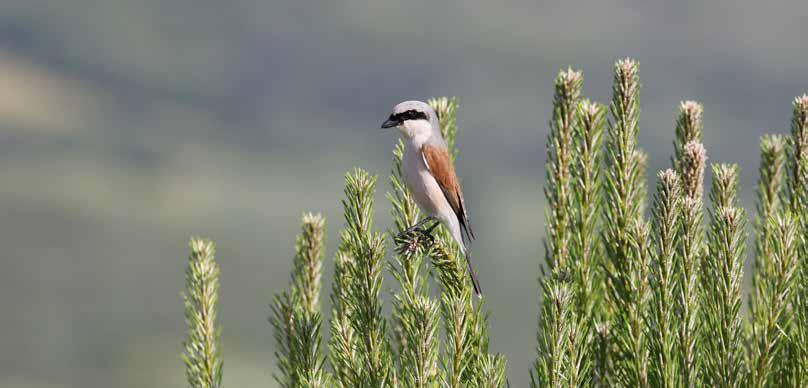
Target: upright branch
{"points": [[770, 185], [795, 370], [418, 328], [343, 345], [360, 264], [296, 317], [773, 293], [203, 359], [635, 313], [466, 337], [691, 249], [549, 369], [799, 155], [688, 129], [694, 162], [556, 365], [724, 191], [307, 266], [723, 274], [772, 158], [586, 250], [624, 203], [663, 324], [603, 362], [558, 187], [494, 371]]}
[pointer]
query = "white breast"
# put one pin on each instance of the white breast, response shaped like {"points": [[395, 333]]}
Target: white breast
{"points": [[424, 188]]}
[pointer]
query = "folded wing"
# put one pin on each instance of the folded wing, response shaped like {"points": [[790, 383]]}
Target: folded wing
{"points": [[440, 165]]}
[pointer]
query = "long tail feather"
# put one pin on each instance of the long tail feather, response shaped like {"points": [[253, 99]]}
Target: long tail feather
{"points": [[474, 281]]}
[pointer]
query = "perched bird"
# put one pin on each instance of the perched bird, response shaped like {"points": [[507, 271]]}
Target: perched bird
{"points": [[430, 176]]}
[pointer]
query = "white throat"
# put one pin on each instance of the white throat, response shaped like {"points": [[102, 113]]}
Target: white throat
{"points": [[417, 132]]}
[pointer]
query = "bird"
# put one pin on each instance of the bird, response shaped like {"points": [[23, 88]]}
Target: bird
{"points": [[430, 176]]}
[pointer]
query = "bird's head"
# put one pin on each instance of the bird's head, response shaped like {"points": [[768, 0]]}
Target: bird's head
{"points": [[414, 119]]}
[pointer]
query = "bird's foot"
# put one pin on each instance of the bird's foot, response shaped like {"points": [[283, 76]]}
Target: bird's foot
{"points": [[406, 242], [417, 226], [427, 235], [410, 240]]}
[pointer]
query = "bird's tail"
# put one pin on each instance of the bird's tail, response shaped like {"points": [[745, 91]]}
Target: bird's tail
{"points": [[472, 274], [454, 229]]}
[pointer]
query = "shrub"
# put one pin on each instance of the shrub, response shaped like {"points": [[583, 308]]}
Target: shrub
{"points": [[626, 300]]}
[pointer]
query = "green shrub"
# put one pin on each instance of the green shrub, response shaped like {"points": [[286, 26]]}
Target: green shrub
{"points": [[626, 300]]}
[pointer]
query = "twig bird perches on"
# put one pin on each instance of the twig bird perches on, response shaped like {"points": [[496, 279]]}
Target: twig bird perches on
{"points": [[430, 176]]}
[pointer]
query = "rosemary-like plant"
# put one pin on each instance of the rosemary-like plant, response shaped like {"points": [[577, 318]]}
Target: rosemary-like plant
{"points": [[362, 300], [688, 129], [558, 188], [343, 345], [625, 302], [296, 313], [795, 370], [773, 291], [624, 232], [558, 362], [764, 304], [723, 273], [203, 358], [557, 320], [799, 154], [724, 191], [772, 164], [586, 251], [691, 251], [663, 326]]}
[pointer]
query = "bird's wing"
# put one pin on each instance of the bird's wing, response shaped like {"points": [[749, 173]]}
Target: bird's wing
{"points": [[440, 166]]}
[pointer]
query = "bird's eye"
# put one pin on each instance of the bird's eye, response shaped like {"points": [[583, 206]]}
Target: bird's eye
{"points": [[413, 115]]}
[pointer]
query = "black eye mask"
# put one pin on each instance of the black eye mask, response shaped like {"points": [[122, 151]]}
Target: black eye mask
{"points": [[408, 115]]}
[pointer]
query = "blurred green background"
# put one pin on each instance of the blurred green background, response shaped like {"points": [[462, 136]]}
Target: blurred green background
{"points": [[127, 126]]}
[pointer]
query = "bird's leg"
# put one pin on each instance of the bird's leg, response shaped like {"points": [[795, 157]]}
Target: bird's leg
{"points": [[409, 239], [416, 227], [428, 231]]}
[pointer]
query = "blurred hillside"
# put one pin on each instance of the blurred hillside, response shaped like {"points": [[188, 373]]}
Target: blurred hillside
{"points": [[125, 127]]}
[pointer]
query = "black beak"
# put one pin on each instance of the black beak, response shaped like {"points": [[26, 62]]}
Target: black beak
{"points": [[390, 123]]}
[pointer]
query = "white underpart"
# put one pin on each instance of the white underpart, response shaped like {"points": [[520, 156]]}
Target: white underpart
{"points": [[423, 186]]}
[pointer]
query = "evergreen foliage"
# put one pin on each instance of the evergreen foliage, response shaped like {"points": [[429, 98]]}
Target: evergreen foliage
{"points": [[625, 299], [203, 358]]}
